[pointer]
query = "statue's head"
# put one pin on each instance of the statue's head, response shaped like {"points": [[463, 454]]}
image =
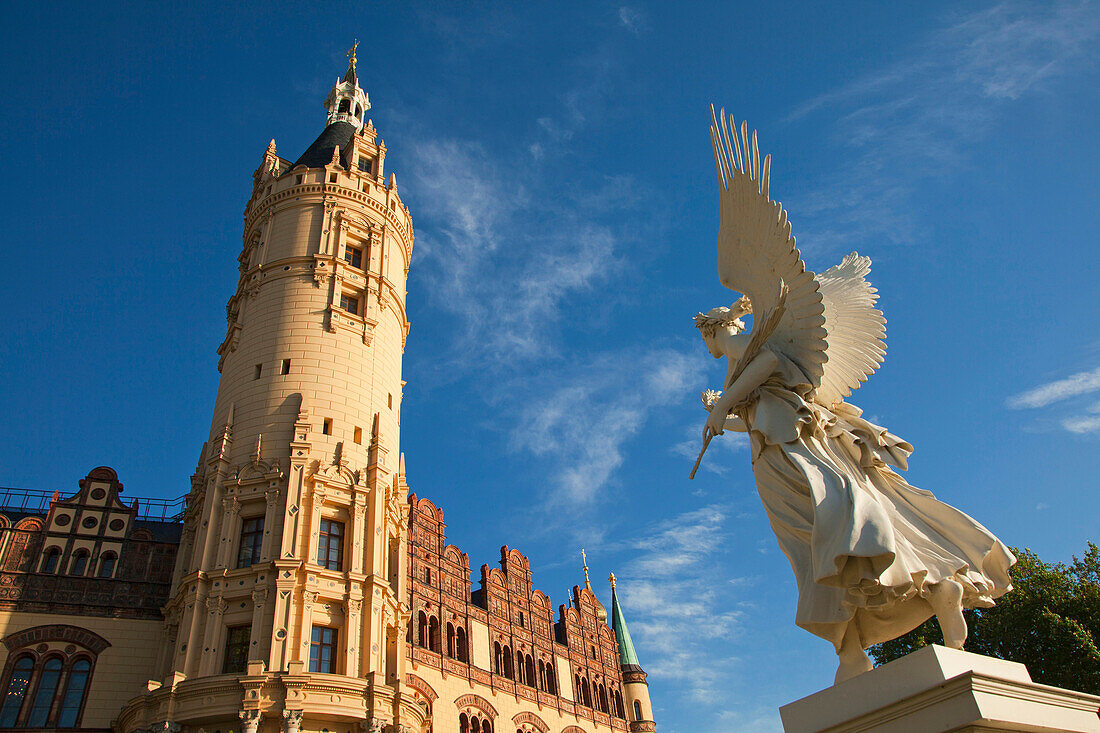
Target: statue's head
{"points": [[719, 318]]}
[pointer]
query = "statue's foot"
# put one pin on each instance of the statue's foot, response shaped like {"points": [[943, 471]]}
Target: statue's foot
{"points": [[853, 667], [853, 660], [945, 598]]}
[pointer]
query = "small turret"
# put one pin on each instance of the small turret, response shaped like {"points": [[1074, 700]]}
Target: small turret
{"points": [[635, 688], [347, 102]]}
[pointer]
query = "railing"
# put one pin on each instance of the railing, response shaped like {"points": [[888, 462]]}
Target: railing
{"points": [[36, 501]]}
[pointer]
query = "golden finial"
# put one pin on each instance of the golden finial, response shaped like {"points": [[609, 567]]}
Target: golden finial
{"points": [[351, 52], [584, 559], [611, 579]]}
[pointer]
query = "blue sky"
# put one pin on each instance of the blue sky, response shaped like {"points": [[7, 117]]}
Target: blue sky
{"points": [[557, 164]]}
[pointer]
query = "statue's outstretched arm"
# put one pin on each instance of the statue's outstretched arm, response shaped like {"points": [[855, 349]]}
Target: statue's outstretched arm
{"points": [[752, 376]]}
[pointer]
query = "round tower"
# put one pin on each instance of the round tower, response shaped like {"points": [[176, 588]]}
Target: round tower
{"points": [[292, 562], [639, 711]]}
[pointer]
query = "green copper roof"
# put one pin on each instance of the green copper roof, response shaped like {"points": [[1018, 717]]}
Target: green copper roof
{"points": [[627, 655]]}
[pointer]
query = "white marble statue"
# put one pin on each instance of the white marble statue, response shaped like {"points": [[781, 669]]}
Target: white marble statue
{"points": [[873, 557]]}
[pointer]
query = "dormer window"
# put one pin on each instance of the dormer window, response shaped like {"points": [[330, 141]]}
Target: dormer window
{"points": [[366, 164]]}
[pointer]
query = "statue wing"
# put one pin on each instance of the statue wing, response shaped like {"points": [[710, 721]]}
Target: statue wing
{"points": [[757, 254], [857, 330]]}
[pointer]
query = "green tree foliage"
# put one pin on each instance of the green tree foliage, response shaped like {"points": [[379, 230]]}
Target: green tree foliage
{"points": [[1050, 622]]}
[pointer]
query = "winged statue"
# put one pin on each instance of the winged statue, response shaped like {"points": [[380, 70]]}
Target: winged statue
{"points": [[873, 556]]}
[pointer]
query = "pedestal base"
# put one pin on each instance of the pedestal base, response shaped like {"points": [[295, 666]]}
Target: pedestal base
{"points": [[937, 690]]}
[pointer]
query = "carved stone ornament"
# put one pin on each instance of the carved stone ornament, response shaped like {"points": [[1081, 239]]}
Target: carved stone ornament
{"points": [[292, 721], [250, 720], [165, 726]]}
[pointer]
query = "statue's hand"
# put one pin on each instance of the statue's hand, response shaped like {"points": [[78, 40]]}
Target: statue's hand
{"points": [[716, 423]]}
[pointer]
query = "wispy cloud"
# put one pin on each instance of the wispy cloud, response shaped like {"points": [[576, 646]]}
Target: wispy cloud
{"points": [[632, 19], [594, 409], [1060, 389], [1086, 419], [917, 118], [680, 605]]}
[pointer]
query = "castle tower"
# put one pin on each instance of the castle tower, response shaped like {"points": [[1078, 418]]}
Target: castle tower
{"points": [[292, 561], [639, 711]]}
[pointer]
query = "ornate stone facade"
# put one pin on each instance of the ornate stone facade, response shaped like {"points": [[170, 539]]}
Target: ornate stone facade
{"points": [[310, 591]]}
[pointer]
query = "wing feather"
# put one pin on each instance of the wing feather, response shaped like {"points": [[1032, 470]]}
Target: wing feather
{"points": [[856, 329], [757, 255]]}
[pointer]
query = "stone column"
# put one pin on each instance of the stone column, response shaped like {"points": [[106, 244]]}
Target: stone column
{"points": [[216, 608], [292, 721], [229, 531], [306, 636], [250, 720], [272, 496], [309, 548], [256, 635], [357, 531], [193, 618], [353, 635]]}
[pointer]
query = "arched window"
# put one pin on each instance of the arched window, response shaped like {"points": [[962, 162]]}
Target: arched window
{"points": [[637, 710], [463, 723], [345, 106], [433, 634], [603, 700], [551, 679], [619, 712], [79, 564], [49, 563], [498, 658], [17, 691], [460, 642], [422, 631], [44, 695], [107, 565], [475, 726], [508, 672], [531, 679], [450, 640], [587, 692], [73, 699]]}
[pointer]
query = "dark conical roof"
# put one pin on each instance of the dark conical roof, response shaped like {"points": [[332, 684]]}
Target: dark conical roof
{"points": [[319, 154], [350, 76]]}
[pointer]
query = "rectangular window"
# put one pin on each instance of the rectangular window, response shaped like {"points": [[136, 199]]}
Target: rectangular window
{"points": [[298, 180], [332, 178], [258, 372], [326, 426], [349, 303], [330, 545], [236, 649], [252, 536], [286, 366], [357, 435], [366, 164], [353, 256], [322, 650]]}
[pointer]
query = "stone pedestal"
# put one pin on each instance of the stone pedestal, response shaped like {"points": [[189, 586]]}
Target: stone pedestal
{"points": [[936, 690]]}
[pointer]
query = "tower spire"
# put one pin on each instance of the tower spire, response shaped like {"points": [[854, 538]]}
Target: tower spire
{"points": [[627, 655], [584, 561], [347, 102], [635, 687]]}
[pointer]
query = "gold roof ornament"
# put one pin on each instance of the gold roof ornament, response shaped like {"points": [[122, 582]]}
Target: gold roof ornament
{"points": [[584, 559], [351, 52]]}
